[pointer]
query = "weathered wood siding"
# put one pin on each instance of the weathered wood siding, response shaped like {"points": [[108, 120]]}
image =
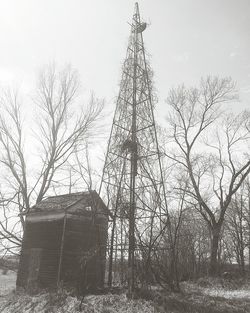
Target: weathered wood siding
{"points": [[82, 237], [83, 248], [45, 236]]}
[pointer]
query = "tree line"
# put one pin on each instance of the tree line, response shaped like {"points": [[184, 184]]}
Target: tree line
{"points": [[206, 166]]}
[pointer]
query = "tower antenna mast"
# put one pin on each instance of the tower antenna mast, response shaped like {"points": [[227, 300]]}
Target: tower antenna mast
{"points": [[132, 179]]}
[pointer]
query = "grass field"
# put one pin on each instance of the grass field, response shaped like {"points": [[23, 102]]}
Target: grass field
{"points": [[7, 282]]}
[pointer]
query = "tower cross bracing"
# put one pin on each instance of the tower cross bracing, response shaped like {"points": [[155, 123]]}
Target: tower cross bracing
{"points": [[132, 180]]}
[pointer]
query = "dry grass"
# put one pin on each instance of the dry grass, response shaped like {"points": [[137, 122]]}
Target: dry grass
{"points": [[198, 303], [203, 296], [208, 296], [54, 303]]}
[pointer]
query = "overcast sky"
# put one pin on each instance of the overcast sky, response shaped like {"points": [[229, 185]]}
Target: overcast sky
{"points": [[187, 39]]}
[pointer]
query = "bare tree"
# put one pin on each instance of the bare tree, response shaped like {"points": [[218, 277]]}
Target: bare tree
{"points": [[60, 130], [237, 225], [211, 148]]}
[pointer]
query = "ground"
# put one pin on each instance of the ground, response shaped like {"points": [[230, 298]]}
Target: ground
{"points": [[7, 282], [202, 296]]}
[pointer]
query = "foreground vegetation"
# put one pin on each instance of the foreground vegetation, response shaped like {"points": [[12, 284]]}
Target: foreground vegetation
{"points": [[206, 295]]}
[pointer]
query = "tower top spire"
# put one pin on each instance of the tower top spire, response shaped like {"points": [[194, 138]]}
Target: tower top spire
{"points": [[137, 25], [136, 7]]}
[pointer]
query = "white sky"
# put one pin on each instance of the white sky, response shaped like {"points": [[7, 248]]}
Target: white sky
{"points": [[187, 39]]}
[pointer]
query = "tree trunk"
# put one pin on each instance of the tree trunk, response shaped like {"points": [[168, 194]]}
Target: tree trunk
{"points": [[110, 270], [249, 228], [242, 261], [215, 232]]}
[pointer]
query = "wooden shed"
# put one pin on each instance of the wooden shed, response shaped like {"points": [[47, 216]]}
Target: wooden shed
{"points": [[64, 242]]}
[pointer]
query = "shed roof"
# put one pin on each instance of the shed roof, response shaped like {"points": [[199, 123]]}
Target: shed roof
{"points": [[73, 202]]}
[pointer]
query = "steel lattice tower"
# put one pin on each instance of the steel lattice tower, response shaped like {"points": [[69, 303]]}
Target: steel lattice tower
{"points": [[132, 181]]}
